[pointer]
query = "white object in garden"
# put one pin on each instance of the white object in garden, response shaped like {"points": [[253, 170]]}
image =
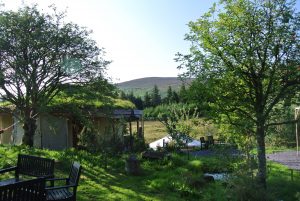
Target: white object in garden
{"points": [[163, 141]]}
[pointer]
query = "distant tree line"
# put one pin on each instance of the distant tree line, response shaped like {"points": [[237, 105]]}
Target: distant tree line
{"points": [[154, 97]]}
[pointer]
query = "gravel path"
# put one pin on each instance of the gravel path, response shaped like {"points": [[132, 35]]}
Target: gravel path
{"points": [[288, 158], [211, 152]]}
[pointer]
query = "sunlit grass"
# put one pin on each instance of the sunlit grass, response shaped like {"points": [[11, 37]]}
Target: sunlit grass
{"points": [[178, 178]]}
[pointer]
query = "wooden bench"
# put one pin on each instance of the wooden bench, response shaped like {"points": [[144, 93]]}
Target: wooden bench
{"points": [[64, 193], [30, 190], [33, 166]]}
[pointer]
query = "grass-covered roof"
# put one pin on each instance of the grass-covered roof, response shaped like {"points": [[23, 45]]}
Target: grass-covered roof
{"points": [[100, 96]]}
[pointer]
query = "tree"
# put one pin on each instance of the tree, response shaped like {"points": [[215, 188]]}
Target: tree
{"points": [[122, 95], [198, 93], [38, 53], [183, 94], [138, 102], [175, 97], [169, 97], [247, 52], [179, 121], [147, 100], [155, 96]]}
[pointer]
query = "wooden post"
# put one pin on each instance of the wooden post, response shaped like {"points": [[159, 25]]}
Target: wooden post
{"points": [[137, 126], [130, 133], [143, 126], [297, 140]]}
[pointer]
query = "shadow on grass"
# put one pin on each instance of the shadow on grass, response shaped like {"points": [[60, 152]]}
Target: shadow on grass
{"points": [[98, 183]]}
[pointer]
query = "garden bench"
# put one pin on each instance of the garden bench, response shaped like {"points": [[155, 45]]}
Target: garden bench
{"points": [[63, 193], [30, 190], [33, 166]]}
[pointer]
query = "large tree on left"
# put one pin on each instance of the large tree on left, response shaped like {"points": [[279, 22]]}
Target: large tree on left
{"points": [[38, 53]]}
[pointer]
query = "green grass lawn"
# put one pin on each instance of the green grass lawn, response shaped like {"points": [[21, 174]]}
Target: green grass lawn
{"points": [[175, 179]]}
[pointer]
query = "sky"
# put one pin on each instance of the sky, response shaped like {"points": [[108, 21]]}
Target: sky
{"points": [[140, 37]]}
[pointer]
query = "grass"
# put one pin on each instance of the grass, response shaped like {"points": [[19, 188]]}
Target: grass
{"points": [[155, 130], [160, 180], [175, 179], [280, 182]]}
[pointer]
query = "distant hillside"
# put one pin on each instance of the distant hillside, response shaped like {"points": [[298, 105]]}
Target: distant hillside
{"points": [[140, 86]]}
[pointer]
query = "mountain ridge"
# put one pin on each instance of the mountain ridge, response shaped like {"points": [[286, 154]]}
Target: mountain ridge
{"points": [[140, 86]]}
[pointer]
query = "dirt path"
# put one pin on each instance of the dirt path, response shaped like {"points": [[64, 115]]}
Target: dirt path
{"points": [[288, 158]]}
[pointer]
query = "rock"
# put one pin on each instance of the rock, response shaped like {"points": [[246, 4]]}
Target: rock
{"points": [[208, 178]]}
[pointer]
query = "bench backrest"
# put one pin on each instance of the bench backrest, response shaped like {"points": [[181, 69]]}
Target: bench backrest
{"points": [[30, 190], [35, 166], [74, 175]]}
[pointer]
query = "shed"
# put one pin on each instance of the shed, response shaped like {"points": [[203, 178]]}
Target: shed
{"points": [[56, 131]]}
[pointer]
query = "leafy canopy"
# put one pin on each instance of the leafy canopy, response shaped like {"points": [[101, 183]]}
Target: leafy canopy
{"points": [[247, 53], [39, 52]]}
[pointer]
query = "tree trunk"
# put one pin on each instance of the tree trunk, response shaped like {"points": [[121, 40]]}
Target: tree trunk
{"points": [[29, 129], [261, 154]]}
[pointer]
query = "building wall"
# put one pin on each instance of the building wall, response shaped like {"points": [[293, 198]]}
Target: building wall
{"points": [[54, 132], [107, 129]]}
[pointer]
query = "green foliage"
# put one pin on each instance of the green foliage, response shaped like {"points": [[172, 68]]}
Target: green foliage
{"points": [[164, 109], [147, 100], [243, 187], [247, 54], [172, 96], [284, 134], [39, 53], [175, 179], [155, 96], [95, 95], [200, 94], [178, 122]]}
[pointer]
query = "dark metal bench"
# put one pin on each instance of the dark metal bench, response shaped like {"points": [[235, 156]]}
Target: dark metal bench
{"points": [[30, 190], [31, 166], [63, 192]]}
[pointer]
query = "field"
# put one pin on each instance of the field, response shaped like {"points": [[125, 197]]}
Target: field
{"points": [[154, 130]]}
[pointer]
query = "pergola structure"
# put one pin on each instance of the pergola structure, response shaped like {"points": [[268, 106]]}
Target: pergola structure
{"points": [[297, 116]]}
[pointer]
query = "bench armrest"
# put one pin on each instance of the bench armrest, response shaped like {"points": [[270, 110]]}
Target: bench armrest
{"points": [[56, 179], [60, 187], [52, 180], [8, 169]]}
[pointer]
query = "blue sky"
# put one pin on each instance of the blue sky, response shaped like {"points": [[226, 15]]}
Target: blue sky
{"points": [[141, 37]]}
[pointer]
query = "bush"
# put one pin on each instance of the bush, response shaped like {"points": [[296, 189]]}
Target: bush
{"points": [[195, 166]]}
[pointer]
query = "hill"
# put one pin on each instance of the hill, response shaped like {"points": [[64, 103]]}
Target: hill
{"points": [[143, 85]]}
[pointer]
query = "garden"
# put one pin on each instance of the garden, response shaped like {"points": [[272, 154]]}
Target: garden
{"points": [[242, 76], [176, 178]]}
